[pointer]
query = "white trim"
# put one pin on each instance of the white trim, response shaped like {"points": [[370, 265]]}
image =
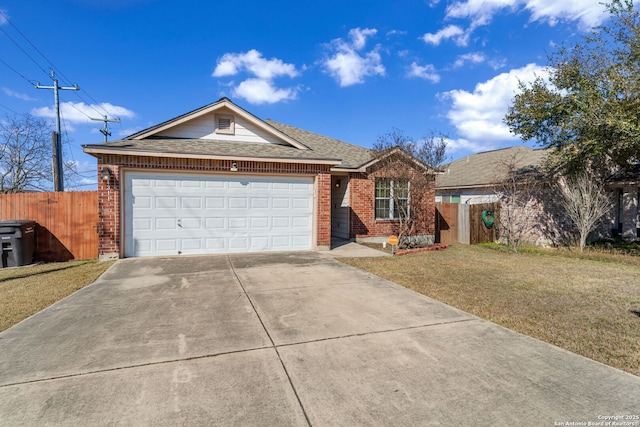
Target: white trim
{"points": [[125, 152], [224, 104]]}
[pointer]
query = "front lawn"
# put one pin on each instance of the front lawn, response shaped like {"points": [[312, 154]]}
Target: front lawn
{"points": [[25, 291], [588, 304]]}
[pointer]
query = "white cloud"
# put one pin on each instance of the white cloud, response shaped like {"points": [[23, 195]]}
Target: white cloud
{"points": [[254, 63], [79, 112], [459, 36], [350, 67], [427, 72], [461, 144], [359, 36], [478, 115], [3, 17], [260, 87], [474, 58], [588, 13], [260, 91], [15, 94]]}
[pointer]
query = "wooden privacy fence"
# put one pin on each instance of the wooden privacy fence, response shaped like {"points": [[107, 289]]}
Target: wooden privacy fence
{"points": [[66, 222], [462, 223]]}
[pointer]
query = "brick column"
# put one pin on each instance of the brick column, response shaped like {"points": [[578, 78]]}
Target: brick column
{"points": [[324, 211], [108, 213], [630, 213]]}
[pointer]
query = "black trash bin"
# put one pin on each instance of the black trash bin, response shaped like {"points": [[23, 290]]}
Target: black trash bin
{"points": [[17, 238]]}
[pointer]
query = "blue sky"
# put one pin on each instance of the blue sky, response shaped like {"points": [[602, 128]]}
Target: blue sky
{"points": [[351, 70]]}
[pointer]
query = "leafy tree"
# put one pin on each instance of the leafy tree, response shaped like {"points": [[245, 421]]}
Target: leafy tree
{"points": [[588, 109]]}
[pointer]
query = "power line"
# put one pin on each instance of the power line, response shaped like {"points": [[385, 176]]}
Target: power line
{"points": [[33, 46], [17, 72], [23, 51], [53, 67], [13, 111]]}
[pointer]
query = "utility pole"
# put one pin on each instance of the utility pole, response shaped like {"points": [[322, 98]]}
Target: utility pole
{"points": [[58, 178], [105, 130]]}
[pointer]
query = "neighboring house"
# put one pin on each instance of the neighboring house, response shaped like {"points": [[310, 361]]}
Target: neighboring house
{"points": [[219, 180], [484, 178], [474, 179]]}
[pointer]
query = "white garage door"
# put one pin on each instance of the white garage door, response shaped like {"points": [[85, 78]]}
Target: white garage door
{"points": [[171, 214]]}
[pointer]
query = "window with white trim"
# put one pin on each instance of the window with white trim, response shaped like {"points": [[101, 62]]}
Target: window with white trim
{"points": [[225, 124], [392, 198]]}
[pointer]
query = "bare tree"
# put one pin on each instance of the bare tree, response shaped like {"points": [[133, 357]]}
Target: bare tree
{"points": [[25, 154], [517, 188], [407, 182], [586, 201], [431, 150]]}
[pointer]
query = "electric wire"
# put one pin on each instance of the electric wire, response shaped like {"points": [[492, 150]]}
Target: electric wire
{"points": [[65, 79], [24, 51], [31, 82]]}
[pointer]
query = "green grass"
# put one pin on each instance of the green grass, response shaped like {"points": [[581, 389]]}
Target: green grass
{"points": [[27, 290], [587, 303]]}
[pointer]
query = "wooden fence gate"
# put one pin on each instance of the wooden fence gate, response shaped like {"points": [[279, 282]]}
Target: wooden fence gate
{"points": [[66, 222], [462, 223]]}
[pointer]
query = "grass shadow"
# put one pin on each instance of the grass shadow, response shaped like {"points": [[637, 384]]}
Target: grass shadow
{"points": [[37, 273]]}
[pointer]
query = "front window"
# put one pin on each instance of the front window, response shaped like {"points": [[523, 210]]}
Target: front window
{"points": [[392, 198]]}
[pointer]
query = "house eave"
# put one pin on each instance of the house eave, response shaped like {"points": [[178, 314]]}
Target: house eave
{"points": [[95, 151], [221, 104]]}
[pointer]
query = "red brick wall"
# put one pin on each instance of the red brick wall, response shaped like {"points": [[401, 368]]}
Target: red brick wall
{"points": [[108, 211], [109, 192], [324, 209], [362, 201]]}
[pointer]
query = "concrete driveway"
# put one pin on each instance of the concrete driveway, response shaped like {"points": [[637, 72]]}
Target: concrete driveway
{"points": [[285, 339]]}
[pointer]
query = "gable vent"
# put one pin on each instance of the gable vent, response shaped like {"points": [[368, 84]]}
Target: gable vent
{"points": [[225, 124]]}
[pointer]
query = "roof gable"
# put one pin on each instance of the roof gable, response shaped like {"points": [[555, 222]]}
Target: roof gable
{"points": [[394, 153], [201, 124]]}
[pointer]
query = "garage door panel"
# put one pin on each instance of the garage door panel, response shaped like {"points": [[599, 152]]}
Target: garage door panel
{"points": [[214, 202], [191, 245], [238, 223], [238, 203], [259, 243], [281, 203], [260, 223], [166, 202], [300, 203], [191, 202], [162, 224], [215, 224], [239, 243], [259, 203], [166, 245], [168, 213], [301, 222], [191, 223]]}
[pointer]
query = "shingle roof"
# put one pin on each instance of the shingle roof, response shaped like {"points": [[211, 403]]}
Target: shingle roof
{"points": [[320, 147], [487, 168], [351, 155]]}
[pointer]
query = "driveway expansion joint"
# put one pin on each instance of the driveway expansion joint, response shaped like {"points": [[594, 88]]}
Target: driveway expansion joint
{"points": [[293, 387], [361, 334]]}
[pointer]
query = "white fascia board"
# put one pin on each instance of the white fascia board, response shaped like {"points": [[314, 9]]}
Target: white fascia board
{"points": [[93, 151], [219, 106]]}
